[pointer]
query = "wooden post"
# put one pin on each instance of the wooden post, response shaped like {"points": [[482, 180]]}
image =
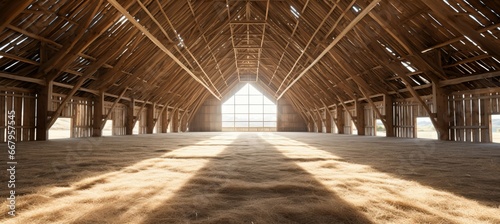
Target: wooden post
{"points": [[164, 120], [183, 121], [440, 101], [328, 120], [175, 121], [319, 122], [150, 118], [98, 112], [340, 119], [389, 116], [130, 118], [360, 117], [486, 133], [44, 102]]}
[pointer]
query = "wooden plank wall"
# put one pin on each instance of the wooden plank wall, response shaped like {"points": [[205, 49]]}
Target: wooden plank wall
{"points": [[23, 103], [82, 118], [370, 118], [208, 117], [158, 122], [288, 119], [471, 116], [118, 117], [142, 120], [348, 121], [404, 118]]}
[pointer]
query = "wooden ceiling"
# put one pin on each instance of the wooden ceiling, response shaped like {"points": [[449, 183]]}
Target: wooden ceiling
{"points": [[315, 53]]}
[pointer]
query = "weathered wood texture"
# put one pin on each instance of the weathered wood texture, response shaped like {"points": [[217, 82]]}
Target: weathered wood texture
{"points": [[288, 118], [347, 57], [208, 117]]}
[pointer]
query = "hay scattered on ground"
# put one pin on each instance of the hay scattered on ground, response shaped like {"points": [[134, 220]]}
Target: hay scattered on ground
{"points": [[256, 178]]}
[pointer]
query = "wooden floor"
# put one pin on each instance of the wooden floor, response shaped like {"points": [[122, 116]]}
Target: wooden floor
{"points": [[255, 178]]}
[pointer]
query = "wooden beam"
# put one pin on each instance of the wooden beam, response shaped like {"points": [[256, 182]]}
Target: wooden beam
{"points": [[44, 99], [340, 120], [360, 117], [130, 118], [469, 78], [318, 28], [150, 124], [98, 122], [175, 121], [164, 120], [344, 32], [389, 116], [440, 102], [89, 72], [61, 57], [158, 43], [456, 39], [11, 10], [23, 78], [446, 16]]}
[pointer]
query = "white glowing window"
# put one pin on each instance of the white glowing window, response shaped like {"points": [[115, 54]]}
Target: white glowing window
{"points": [[249, 108]]}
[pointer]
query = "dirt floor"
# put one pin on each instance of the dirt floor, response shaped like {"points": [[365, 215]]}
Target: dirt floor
{"points": [[254, 178]]}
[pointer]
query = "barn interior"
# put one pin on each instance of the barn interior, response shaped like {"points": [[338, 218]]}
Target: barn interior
{"points": [[250, 111]]}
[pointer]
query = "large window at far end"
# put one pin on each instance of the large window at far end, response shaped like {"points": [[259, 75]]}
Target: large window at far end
{"points": [[249, 110]]}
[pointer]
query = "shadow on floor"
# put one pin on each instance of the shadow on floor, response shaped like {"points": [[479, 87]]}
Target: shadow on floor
{"points": [[467, 169], [65, 161], [253, 183]]}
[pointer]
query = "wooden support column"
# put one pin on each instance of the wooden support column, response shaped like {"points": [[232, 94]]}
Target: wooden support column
{"points": [[150, 118], [486, 133], [360, 117], [440, 101], [340, 120], [328, 120], [164, 120], [44, 101], [183, 121], [389, 116], [175, 121], [130, 117], [319, 121], [98, 122]]}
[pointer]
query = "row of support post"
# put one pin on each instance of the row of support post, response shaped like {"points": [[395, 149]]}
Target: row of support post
{"points": [[44, 113], [440, 116], [358, 118]]}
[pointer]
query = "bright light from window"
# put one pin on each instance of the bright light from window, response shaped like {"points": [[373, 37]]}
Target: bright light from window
{"points": [[181, 41], [249, 110], [356, 8], [407, 65], [122, 20], [294, 12]]}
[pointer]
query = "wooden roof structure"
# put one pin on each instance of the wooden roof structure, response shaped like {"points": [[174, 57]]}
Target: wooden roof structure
{"points": [[315, 53]]}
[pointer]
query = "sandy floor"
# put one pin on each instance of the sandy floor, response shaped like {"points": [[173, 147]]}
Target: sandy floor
{"points": [[255, 178]]}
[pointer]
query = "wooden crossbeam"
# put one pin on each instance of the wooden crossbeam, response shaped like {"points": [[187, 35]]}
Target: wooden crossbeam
{"points": [[159, 44], [11, 11], [446, 16], [87, 74], [469, 78], [344, 32], [318, 28]]}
